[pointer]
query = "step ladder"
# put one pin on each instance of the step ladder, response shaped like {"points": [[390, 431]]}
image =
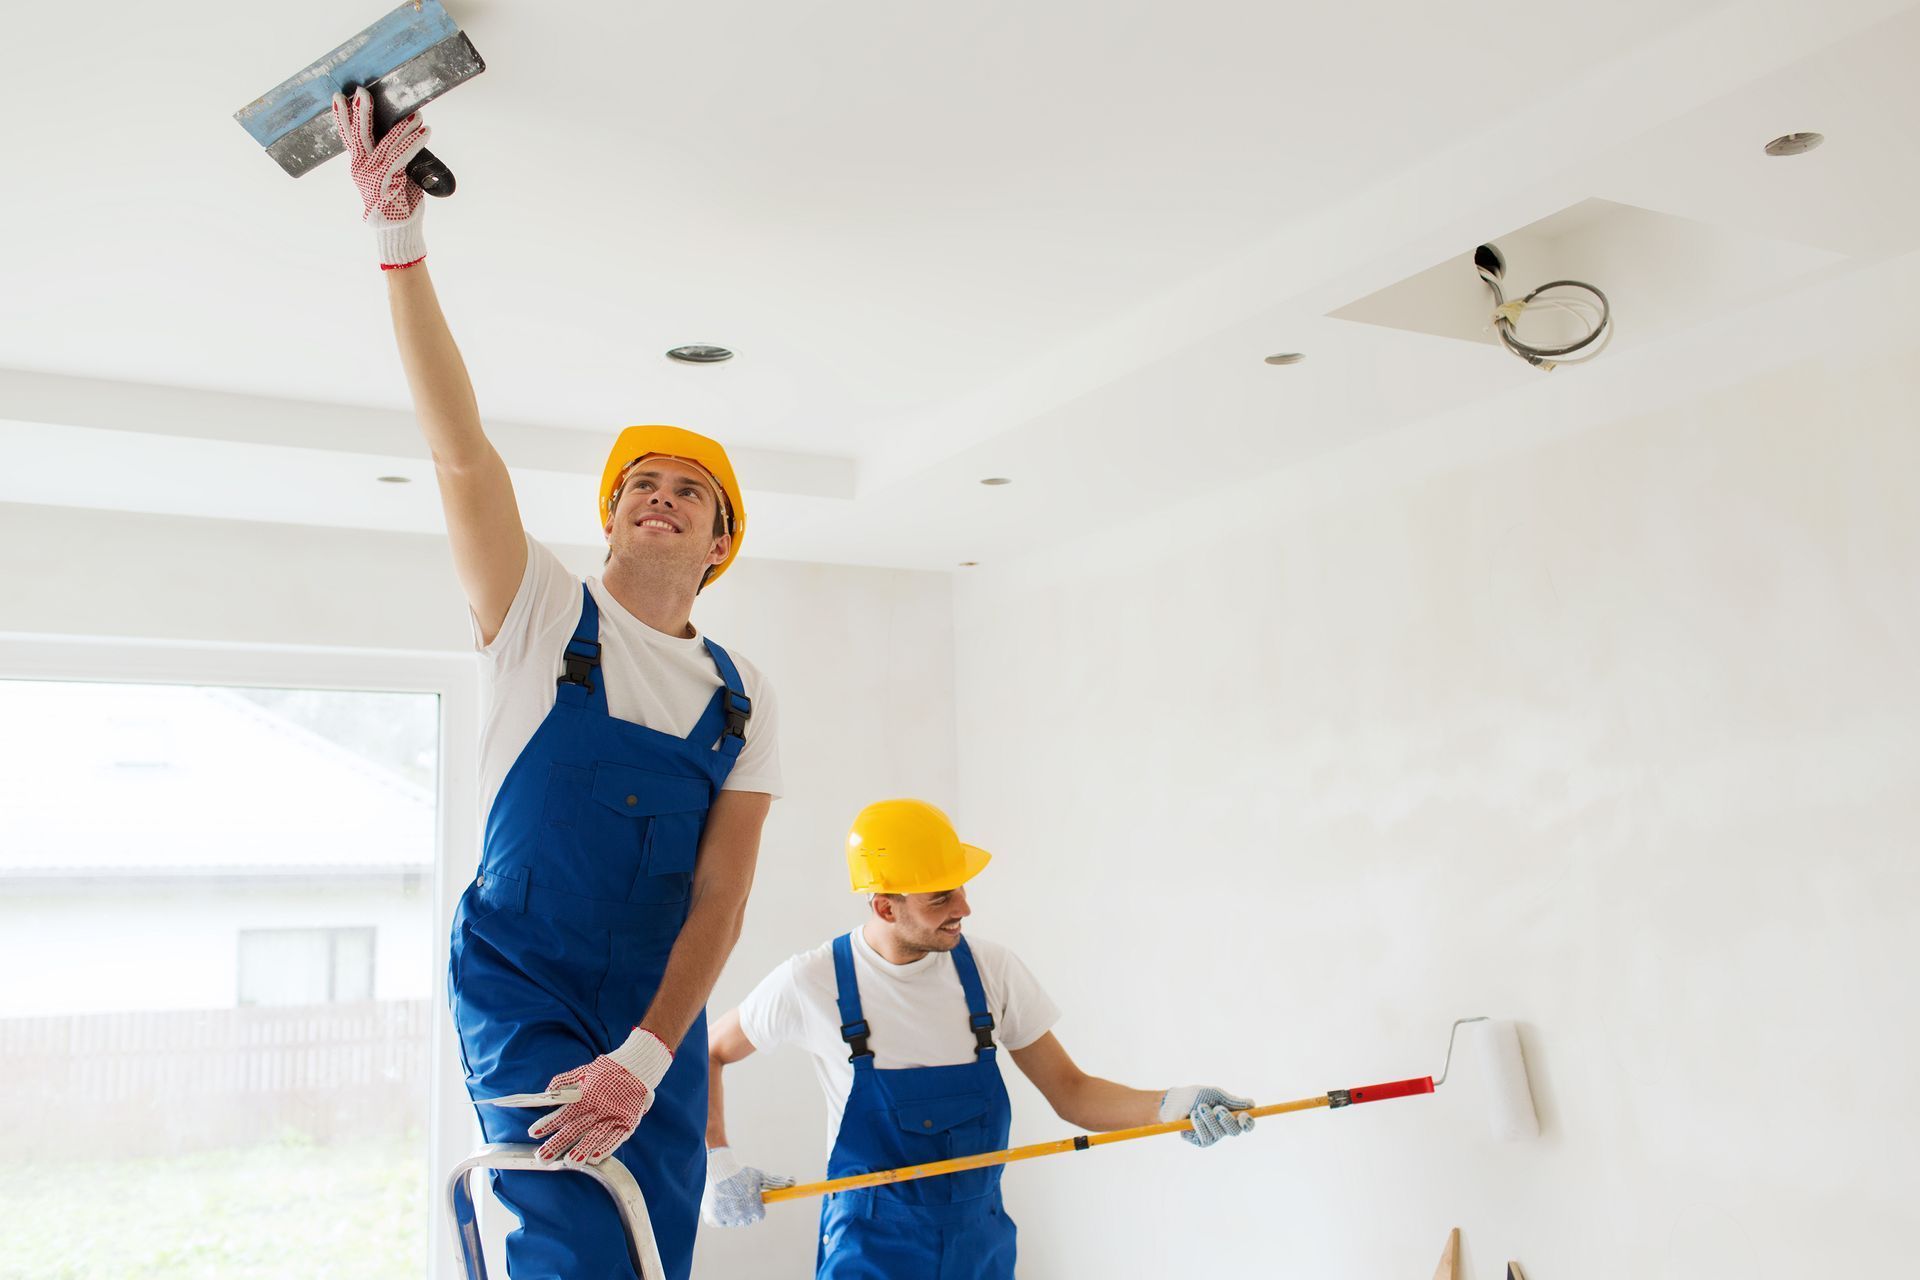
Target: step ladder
{"points": [[521, 1157]]}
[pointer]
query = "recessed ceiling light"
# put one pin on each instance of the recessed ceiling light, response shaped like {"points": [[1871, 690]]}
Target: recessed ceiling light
{"points": [[699, 353], [394, 479], [968, 564], [997, 480], [1287, 357], [1793, 144]]}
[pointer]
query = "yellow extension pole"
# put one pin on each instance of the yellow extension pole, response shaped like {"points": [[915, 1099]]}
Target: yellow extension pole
{"points": [[987, 1159]]}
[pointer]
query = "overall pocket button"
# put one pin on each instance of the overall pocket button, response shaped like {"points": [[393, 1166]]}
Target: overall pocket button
{"points": [[632, 801]]}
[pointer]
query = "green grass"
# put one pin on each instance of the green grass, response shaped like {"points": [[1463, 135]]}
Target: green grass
{"points": [[285, 1208]]}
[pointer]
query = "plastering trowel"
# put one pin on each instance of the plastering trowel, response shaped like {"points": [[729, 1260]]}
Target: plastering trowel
{"points": [[405, 60]]}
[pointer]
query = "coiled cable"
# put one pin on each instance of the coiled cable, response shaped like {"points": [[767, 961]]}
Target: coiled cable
{"points": [[1505, 314]]}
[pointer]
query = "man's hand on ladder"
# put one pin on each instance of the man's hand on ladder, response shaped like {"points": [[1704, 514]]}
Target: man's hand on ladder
{"points": [[600, 1104]]}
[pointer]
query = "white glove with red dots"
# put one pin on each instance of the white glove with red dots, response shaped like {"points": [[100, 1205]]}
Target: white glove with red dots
{"points": [[392, 200], [604, 1100]]}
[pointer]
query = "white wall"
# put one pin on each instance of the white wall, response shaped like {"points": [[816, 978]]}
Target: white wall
{"points": [[1614, 732], [1611, 731], [862, 659]]}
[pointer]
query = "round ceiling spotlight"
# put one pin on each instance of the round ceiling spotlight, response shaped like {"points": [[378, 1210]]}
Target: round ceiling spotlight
{"points": [[394, 479], [997, 480], [699, 353], [969, 564], [1287, 357], [1793, 144]]}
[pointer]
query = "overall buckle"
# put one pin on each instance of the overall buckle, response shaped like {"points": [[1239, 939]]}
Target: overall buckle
{"points": [[738, 707], [855, 1034], [982, 1024], [581, 657]]}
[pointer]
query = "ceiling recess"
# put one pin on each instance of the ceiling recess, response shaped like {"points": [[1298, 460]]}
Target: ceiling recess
{"points": [[1794, 144], [699, 353]]}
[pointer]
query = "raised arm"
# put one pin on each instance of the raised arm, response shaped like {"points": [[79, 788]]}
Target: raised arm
{"points": [[483, 520]]}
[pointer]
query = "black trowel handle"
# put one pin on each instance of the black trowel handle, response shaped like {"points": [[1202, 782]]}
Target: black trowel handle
{"points": [[434, 177]]}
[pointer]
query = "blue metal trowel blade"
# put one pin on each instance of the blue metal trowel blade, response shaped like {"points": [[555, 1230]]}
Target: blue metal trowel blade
{"points": [[419, 35]]}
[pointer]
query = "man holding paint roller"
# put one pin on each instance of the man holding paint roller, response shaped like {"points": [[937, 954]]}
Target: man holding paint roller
{"points": [[627, 767], [904, 1019]]}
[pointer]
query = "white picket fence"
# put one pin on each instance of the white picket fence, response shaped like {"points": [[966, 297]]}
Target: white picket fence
{"points": [[147, 1083]]}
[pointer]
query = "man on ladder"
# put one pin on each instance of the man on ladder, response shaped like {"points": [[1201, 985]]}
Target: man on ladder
{"points": [[904, 1019], [626, 767]]}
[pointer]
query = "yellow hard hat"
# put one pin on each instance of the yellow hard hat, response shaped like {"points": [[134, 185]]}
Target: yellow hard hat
{"points": [[908, 846], [636, 443]]}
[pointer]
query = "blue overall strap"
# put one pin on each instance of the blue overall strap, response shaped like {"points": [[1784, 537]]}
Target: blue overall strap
{"points": [[978, 1016], [582, 656], [853, 1027], [738, 706]]}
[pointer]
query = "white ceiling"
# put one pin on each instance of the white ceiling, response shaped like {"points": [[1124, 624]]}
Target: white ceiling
{"points": [[1026, 240]]}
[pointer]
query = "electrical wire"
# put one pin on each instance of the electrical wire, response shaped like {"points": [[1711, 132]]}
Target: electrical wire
{"points": [[1599, 326]]}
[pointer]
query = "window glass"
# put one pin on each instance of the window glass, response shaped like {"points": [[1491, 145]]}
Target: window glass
{"points": [[216, 930]]}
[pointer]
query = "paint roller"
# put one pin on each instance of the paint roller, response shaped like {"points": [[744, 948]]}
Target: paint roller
{"points": [[1503, 1074], [1495, 1044], [403, 61]]}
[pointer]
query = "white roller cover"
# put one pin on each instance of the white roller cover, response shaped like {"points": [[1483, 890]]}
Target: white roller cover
{"points": [[1504, 1071]]}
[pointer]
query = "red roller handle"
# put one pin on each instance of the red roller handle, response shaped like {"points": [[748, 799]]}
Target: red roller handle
{"points": [[1391, 1089]]}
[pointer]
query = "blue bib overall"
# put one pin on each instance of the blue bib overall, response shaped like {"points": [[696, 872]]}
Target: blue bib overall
{"points": [[944, 1228], [560, 943]]}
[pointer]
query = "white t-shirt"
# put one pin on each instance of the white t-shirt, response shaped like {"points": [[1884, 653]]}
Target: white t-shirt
{"points": [[654, 679], [917, 1011]]}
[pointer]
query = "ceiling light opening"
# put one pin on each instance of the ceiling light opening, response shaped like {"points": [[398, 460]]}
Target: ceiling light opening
{"points": [[1286, 357], [699, 353], [394, 479], [997, 480], [1793, 144]]}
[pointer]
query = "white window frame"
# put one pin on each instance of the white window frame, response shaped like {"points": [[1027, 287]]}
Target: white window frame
{"points": [[452, 1131]]}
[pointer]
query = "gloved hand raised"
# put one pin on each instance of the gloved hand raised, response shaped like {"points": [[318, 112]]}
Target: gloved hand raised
{"points": [[604, 1100], [732, 1197], [1211, 1110], [392, 200]]}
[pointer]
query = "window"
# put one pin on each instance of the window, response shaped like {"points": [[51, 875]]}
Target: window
{"points": [[305, 966], [217, 914]]}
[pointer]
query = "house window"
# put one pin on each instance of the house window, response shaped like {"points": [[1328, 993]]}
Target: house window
{"points": [[305, 966]]}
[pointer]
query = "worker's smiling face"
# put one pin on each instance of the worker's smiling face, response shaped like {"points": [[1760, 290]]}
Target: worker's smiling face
{"points": [[667, 509], [925, 921]]}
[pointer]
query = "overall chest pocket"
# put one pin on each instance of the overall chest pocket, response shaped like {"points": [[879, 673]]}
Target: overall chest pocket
{"points": [[947, 1127], [657, 815]]}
